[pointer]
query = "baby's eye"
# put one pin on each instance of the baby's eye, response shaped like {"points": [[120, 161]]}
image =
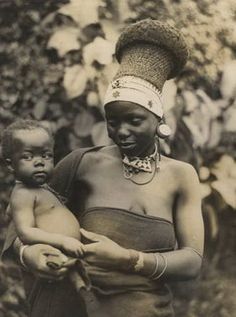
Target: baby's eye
{"points": [[47, 155], [27, 156]]}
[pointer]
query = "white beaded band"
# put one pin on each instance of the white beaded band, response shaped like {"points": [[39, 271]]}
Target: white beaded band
{"points": [[140, 263], [136, 90], [21, 254]]}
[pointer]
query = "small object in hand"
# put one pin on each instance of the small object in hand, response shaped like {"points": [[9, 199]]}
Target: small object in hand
{"points": [[54, 261]]}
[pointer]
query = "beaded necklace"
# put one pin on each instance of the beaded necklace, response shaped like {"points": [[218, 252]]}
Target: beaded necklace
{"points": [[135, 165]]}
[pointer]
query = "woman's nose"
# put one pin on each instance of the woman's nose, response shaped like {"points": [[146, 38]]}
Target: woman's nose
{"points": [[123, 131]]}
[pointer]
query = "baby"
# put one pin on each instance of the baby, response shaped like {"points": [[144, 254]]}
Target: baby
{"points": [[38, 212]]}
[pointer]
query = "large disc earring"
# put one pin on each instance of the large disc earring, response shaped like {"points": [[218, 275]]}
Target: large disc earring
{"points": [[163, 130]]}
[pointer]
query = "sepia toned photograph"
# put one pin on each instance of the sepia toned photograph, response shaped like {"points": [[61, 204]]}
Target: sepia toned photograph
{"points": [[117, 158]]}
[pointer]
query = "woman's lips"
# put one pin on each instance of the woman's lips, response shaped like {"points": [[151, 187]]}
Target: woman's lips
{"points": [[126, 144]]}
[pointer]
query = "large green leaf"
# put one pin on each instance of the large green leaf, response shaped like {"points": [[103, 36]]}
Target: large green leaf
{"points": [[99, 50], [64, 40], [227, 189], [75, 80], [83, 123], [82, 12], [225, 185], [228, 82], [99, 134]]}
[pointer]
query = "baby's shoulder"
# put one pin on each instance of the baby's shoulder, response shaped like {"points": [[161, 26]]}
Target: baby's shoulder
{"points": [[22, 190], [22, 194]]}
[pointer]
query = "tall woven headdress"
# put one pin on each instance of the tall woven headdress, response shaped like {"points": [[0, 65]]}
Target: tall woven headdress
{"points": [[149, 52]]}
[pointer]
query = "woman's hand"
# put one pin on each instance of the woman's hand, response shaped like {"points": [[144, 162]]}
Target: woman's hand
{"points": [[103, 252], [36, 259]]}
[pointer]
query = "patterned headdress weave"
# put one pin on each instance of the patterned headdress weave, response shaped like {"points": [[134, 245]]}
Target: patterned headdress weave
{"points": [[149, 52]]}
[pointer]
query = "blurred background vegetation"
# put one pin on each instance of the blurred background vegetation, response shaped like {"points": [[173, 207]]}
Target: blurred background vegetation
{"points": [[56, 59]]}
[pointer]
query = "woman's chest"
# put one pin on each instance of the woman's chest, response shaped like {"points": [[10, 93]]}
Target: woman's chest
{"points": [[147, 193]]}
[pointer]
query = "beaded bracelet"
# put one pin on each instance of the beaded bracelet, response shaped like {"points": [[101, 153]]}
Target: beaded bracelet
{"points": [[140, 263], [164, 268], [136, 261], [133, 258]]}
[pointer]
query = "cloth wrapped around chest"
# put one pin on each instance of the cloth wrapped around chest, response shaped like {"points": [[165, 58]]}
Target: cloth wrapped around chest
{"points": [[129, 229]]}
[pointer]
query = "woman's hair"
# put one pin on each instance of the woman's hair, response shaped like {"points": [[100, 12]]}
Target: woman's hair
{"points": [[8, 134]]}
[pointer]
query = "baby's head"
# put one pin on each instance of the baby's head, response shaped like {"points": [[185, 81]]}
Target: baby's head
{"points": [[27, 147]]}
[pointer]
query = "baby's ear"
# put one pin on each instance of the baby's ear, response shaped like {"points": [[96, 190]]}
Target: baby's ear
{"points": [[9, 165]]}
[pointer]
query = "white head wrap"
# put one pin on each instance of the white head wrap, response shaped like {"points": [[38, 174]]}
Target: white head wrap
{"points": [[136, 90]]}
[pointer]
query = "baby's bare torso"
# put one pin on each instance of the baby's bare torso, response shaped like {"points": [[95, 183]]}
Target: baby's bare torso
{"points": [[52, 216]]}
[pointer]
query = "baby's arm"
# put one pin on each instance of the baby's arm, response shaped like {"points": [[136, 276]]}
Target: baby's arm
{"points": [[22, 206]]}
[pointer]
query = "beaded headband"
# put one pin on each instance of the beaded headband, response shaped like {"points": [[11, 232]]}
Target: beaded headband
{"points": [[136, 90]]}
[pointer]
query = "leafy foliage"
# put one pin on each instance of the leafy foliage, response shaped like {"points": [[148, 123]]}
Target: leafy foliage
{"points": [[56, 60]]}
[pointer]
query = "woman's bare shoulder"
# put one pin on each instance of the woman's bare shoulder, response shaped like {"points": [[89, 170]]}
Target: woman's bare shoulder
{"points": [[98, 157], [179, 168], [110, 151]]}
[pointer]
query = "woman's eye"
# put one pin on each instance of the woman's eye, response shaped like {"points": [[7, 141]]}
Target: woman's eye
{"points": [[136, 121], [47, 156]]}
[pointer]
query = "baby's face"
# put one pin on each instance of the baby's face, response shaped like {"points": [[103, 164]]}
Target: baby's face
{"points": [[32, 161]]}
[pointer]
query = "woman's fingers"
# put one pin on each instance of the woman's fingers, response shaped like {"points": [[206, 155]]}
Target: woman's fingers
{"points": [[90, 248], [55, 275], [69, 263], [95, 237], [51, 272], [47, 262]]}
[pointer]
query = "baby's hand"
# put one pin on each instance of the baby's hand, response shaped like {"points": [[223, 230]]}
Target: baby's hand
{"points": [[72, 247]]}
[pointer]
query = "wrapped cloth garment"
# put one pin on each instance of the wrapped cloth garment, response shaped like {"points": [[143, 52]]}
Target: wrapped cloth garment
{"points": [[117, 293]]}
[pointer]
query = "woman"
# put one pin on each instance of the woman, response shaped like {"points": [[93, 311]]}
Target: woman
{"points": [[141, 210]]}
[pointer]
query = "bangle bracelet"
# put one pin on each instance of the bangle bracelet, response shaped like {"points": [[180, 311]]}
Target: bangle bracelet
{"points": [[164, 268], [140, 262], [156, 265], [22, 249]]}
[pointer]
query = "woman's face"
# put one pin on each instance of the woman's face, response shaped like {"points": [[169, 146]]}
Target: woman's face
{"points": [[131, 127]]}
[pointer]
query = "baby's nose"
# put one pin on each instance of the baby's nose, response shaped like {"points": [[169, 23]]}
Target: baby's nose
{"points": [[38, 161]]}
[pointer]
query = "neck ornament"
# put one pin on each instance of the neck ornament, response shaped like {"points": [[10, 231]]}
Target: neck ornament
{"points": [[135, 165]]}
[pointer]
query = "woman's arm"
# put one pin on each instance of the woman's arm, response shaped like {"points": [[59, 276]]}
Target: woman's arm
{"points": [[181, 264], [185, 263]]}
